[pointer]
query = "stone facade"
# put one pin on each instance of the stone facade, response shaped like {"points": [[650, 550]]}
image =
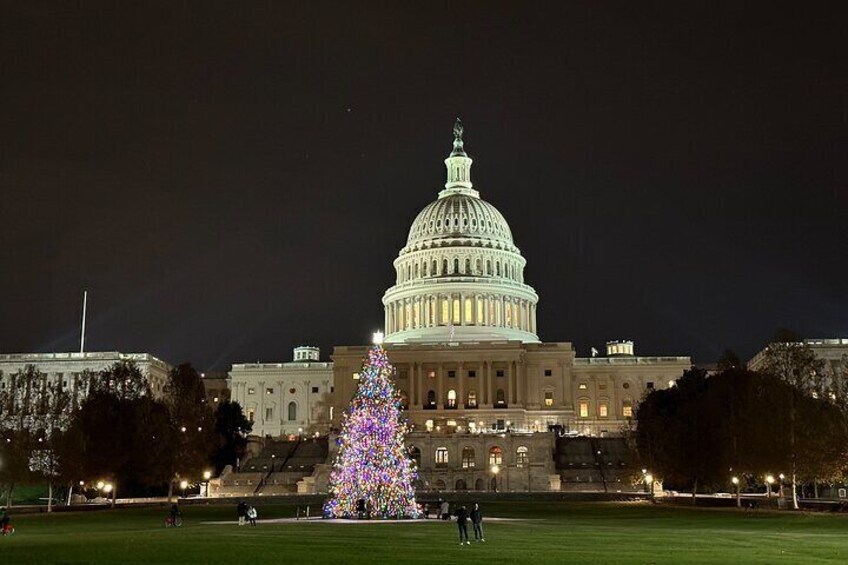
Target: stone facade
{"points": [[834, 351], [68, 368], [285, 399], [525, 387]]}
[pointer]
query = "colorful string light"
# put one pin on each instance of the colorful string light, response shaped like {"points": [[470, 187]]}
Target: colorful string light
{"points": [[372, 468]]}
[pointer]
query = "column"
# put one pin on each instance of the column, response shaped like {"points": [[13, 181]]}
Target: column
{"points": [[440, 387], [533, 318], [509, 383], [460, 387]]}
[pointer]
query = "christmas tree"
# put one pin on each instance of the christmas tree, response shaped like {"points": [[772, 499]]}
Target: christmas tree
{"points": [[372, 471]]}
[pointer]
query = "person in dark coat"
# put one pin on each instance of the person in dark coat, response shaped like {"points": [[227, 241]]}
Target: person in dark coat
{"points": [[477, 522], [241, 510], [462, 524]]}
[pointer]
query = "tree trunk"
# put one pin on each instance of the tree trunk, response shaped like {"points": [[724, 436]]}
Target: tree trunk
{"points": [[114, 494], [170, 489], [815, 488], [9, 495], [70, 492], [695, 493], [50, 496], [792, 417]]}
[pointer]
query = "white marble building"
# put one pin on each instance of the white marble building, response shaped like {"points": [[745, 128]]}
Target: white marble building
{"points": [[285, 399]]}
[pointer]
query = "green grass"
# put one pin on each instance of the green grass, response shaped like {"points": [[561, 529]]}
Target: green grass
{"points": [[549, 533]]}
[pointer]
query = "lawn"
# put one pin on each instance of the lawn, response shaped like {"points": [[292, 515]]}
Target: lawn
{"points": [[540, 533]]}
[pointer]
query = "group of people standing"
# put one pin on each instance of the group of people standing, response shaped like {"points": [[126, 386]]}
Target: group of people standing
{"points": [[462, 516], [246, 512]]}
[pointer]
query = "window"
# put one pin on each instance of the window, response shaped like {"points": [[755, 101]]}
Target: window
{"points": [[500, 397], [451, 374], [292, 411], [415, 454], [472, 399], [431, 374], [314, 390], [356, 376], [584, 408], [549, 398], [522, 456], [429, 425], [250, 414], [495, 456], [441, 457], [548, 372], [451, 398], [650, 385], [269, 414], [469, 310], [625, 386], [499, 373], [251, 390], [582, 386], [627, 408], [269, 391], [603, 410], [472, 374], [431, 398], [602, 386], [445, 309], [468, 457]]}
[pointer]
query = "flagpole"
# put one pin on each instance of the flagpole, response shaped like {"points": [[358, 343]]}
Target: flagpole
{"points": [[82, 334]]}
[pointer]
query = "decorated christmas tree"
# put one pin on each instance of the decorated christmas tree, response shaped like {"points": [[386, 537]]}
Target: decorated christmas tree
{"points": [[372, 472]]}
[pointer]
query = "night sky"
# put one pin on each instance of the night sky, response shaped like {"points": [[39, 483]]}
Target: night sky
{"points": [[229, 182]]}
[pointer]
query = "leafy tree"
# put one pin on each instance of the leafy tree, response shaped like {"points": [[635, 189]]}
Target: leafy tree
{"points": [[232, 429], [193, 423], [795, 363], [123, 380], [729, 360]]}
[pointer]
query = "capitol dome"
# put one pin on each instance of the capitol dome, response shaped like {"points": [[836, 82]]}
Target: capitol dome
{"points": [[460, 276]]}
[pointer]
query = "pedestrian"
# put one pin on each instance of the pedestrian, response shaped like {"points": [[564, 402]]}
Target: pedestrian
{"points": [[360, 509], [445, 510], [461, 523], [4, 521], [241, 510], [252, 515], [477, 522]]}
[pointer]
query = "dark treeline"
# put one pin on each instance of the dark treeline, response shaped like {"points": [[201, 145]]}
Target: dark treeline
{"points": [[118, 432], [789, 417]]}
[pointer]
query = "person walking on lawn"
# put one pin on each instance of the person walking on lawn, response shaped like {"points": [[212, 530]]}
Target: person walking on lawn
{"points": [[477, 522], [462, 524]]}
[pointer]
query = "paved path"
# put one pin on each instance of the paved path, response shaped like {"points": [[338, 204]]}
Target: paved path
{"points": [[318, 519]]}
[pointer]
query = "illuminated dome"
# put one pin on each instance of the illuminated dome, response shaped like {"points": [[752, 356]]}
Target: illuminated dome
{"points": [[460, 277]]}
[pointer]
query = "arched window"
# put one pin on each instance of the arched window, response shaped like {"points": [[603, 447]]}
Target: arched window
{"points": [[472, 399], [468, 266], [433, 270], [415, 454], [500, 397], [488, 267], [292, 411], [522, 456], [479, 267], [444, 266], [498, 268], [441, 457], [451, 398], [417, 274], [495, 456], [460, 485], [455, 266], [468, 457], [431, 398]]}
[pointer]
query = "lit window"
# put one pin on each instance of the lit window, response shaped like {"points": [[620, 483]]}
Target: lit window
{"points": [[445, 311], [269, 391], [583, 386], [500, 397], [472, 399], [522, 456], [480, 315], [429, 425], [469, 310], [250, 414], [356, 376], [468, 457], [584, 408], [442, 457], [432, 374], [495, 456], [603, 410], [549, 398], [627, 409], [451, 398], [251, 391], [456, 312]]}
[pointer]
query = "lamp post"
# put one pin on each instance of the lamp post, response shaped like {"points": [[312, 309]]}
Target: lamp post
{"points": [[769, 482], [735, 481], [495, 470], [206, 476], [649, 484], [184, 486]]}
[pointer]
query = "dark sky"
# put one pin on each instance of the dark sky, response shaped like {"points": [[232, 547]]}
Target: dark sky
{"points": [[232, 181]]}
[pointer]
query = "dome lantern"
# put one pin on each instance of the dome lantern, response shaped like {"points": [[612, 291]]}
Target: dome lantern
{"points": [[458, 164]]}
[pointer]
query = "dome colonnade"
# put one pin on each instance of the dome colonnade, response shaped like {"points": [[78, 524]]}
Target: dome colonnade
{"points": [[460, 277]]}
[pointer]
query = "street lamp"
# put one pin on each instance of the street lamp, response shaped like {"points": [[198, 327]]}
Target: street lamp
{"points": [[495, 470], [206, 476], [769, 482], [649, 484], [735, 481], [184, 486]]}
